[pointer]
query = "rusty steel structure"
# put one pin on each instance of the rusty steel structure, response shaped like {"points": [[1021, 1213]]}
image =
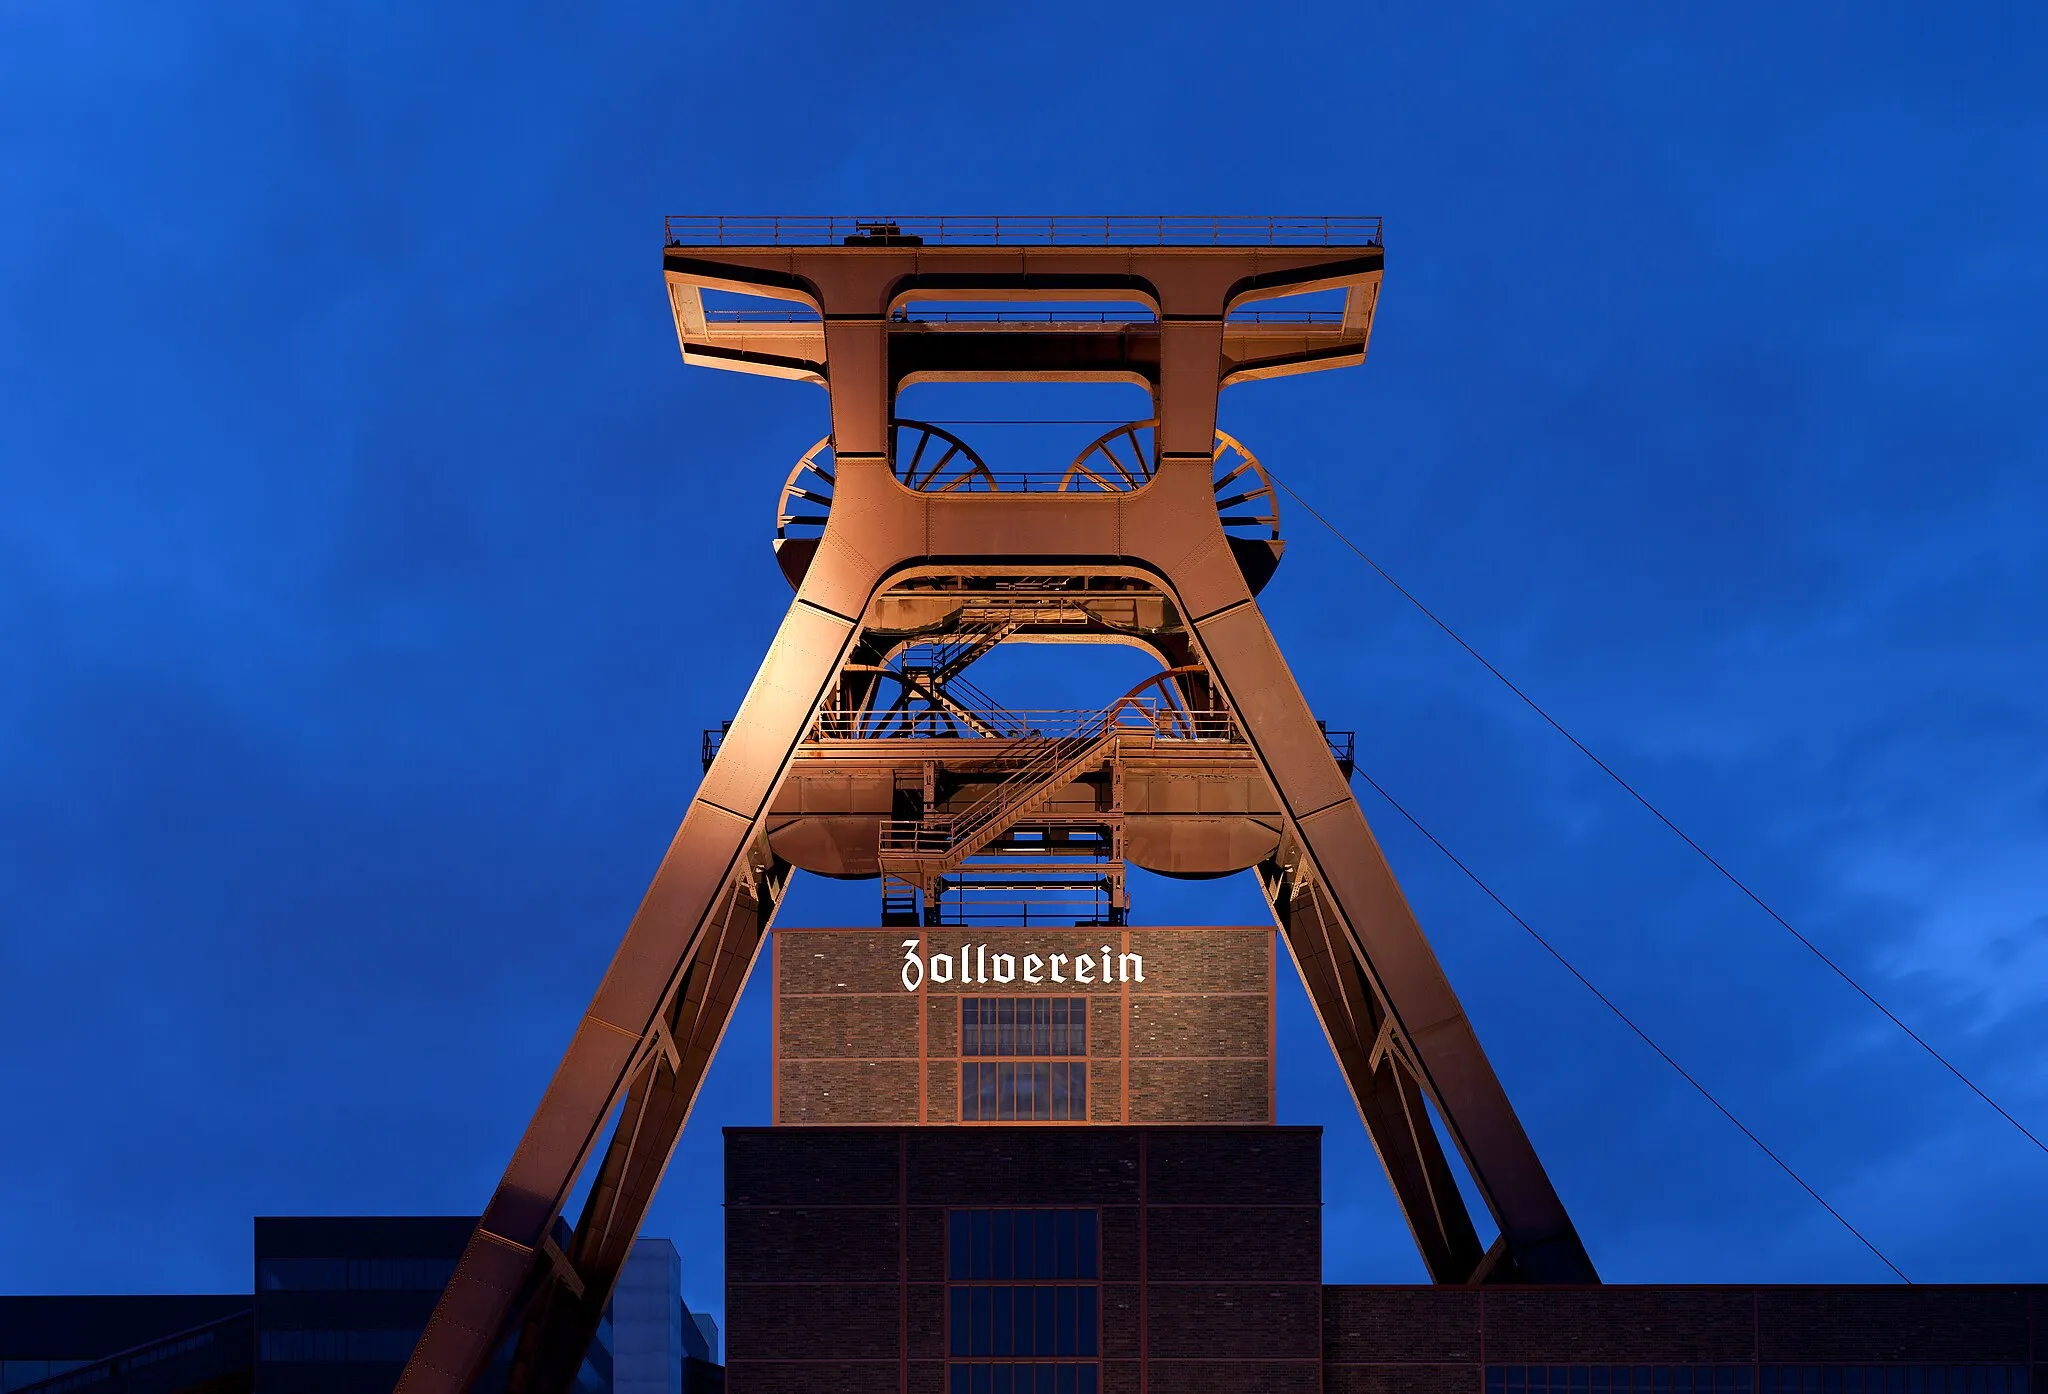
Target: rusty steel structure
{"points": [[863, 749]]}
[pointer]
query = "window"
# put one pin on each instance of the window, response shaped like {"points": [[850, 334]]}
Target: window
{"points": [[1020, 1084], [375, 1346], [357, 1274], [1619, 1379], [1023, 1302], [1894, 1379], [1770, 1379], [1024, 1026]]}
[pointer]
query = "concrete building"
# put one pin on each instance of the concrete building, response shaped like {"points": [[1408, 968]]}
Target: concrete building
{"points": [[931, 1213], [337, 1305]]}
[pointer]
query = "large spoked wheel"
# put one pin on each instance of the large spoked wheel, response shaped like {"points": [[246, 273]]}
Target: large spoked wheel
{"points": [[1246, 502], [922, 456], [935, 461]]}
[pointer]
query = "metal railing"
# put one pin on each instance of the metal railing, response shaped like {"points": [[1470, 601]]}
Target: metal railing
{"points": [[1005, 230], [1165, 725], [801, 315], [957, 836], [1343, 747], [1139, 716], [167, 1364], [713, 739]]}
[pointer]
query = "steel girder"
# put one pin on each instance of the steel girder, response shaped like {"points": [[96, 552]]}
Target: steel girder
{"points": [[642, 1047]]}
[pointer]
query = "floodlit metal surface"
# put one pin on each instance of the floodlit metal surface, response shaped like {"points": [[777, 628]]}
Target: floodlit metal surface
{"points": [[861, 747]]}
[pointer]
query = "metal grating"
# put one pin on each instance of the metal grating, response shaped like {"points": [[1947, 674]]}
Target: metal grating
{"points": [[1021, 230]]}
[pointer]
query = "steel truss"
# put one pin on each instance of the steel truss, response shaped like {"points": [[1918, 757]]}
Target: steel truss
{"points": [[1153, 541]]}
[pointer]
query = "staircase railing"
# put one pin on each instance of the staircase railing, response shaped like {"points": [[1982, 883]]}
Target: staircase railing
{"points": [[953, 837]]}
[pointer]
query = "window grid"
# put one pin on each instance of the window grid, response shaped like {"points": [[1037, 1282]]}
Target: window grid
{"points": [[1064, 1378], [1894, 1379], [1012, 1027], [1766, 1379], [354, 1274], [1027, 1070], [1023, 1309]]}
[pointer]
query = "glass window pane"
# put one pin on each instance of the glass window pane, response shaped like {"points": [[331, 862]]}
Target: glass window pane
{"points": [[1000, 1380], [1059, 1026], [1006, 1026], [1077, 1033], [1067, 1383], [1042, 1221], [1077, 1090], [956, 1246], [1003, 1303], [1063, 1262], [1041, 1105], [1085, 1321], [980, 1383], [987, 1113], [1047, 1336], [1064, 1336], [1089, 1379], [980, 1339], [1062, 1108], [970, 1092], [1086, 1247], [1041, 1019], [978, 1238], [999, 1262], [970, 1028]]}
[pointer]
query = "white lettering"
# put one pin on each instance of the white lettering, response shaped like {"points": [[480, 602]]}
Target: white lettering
{"points": [[913, 966], [981, 963], [1105, 965], [966, 975], [942, 968], [1057, 960], [1006, 968], [1130, 968], [1084, 969], [1031, 966]]}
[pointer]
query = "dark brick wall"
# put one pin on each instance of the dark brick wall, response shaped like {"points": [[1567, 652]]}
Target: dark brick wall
{"points": [[1193, 1043], [836, 1250], [1430, 1339]]}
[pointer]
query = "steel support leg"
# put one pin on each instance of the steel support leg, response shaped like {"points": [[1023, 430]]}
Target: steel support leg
{"points": [[646, 1038], [1369, 967]]}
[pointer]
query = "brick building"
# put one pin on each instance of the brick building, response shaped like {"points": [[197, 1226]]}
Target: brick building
{"points": [[995, 1171]]}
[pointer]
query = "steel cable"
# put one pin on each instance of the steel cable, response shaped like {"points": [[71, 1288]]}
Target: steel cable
{"points": [[1660, 816], [1623, 1017]]}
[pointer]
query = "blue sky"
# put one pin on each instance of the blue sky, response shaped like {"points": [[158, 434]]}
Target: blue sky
{"points": [[369, 563]]}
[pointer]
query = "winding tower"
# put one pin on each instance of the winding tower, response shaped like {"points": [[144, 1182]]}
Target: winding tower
{"points": [[864, 749]]}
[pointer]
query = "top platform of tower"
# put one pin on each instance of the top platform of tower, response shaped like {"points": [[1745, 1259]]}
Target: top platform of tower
{"points": [[1142, 299]]}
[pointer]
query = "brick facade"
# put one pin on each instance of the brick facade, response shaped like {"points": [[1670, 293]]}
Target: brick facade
{"points": [[1192, 1043], [1429, 1338], [1210, 1224], [836, 1250]]}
